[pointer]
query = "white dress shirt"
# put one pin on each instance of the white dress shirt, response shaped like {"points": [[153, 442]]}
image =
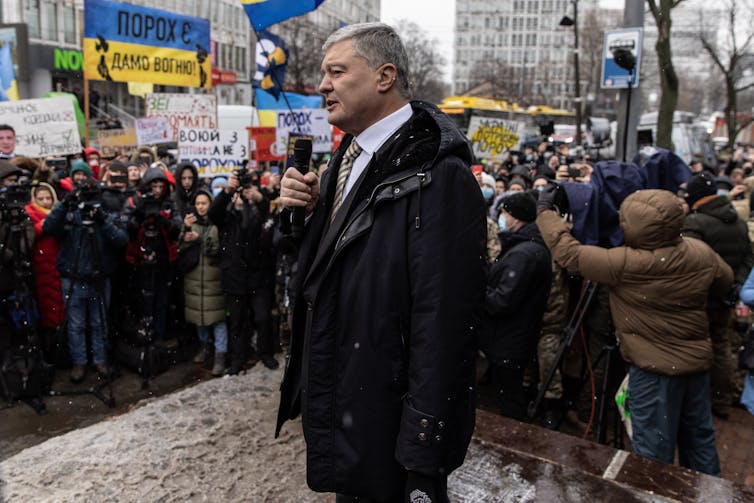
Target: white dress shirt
{"points": [[372, 138]]}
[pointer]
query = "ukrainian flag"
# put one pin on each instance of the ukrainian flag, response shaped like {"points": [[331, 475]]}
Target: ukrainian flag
{"points": [[264, 13], [7, 75]]}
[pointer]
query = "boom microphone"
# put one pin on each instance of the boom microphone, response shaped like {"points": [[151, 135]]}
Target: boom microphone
{"points": [[302, 156]]}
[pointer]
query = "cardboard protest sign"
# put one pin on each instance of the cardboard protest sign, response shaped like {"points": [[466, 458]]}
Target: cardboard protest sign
{"points": [[183, 111], [131, 43], [45, 126], [116, 141], [153, 131], [214, 152], [263, 144], [304, 122], [492, 137]]}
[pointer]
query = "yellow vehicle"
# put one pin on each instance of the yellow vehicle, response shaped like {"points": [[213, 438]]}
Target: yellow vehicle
{"points": [[461, 108]]}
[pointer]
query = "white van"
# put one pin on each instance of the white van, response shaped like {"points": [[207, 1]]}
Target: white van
{"points": [[236, 116]]}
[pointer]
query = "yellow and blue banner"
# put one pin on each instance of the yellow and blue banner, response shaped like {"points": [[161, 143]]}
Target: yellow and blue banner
{"points": [[131, 43], [272, 59], [8, 84], [265, 13]]}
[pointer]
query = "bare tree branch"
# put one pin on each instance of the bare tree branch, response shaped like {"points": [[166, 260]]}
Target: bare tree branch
{"points": [[744, 88], [711, 51]]}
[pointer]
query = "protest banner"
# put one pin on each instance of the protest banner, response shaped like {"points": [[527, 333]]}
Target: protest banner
{"points": [[337, 137], [491, 137], [214, 152], [45, 126], [153, 131], [307, 122], [113, 142], [132, 43], [183, 111], [263, 144]]}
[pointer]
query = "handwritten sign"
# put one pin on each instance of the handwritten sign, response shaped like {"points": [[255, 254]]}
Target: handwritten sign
{"points": [[263, 144], [153, 131], [45, 126], [116, 141], [214, 152], [308, 122], [491, 137], [183, 111]]}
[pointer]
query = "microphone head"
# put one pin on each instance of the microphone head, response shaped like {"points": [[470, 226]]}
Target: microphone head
{"points": [[302, 151]]}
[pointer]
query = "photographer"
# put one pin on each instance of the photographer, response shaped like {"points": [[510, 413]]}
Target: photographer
{"points": [[154, 226], [80, 171], [247, 270], [116, 192], [16, 240], [89, 244]]}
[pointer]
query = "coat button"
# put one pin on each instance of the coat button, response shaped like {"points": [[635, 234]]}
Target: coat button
{"points": [[422, 436], [424, 423], [397, 190], [441, 425]]}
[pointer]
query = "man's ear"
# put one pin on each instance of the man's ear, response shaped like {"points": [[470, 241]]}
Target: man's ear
{"points": [[387, 75]]}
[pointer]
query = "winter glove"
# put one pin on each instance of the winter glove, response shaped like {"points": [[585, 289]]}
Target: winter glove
{"points": [[421, 489], [546, 199]]}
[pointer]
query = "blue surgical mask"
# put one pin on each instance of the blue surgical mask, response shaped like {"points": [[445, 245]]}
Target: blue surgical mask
{"points": [[502, 224], [217, 190], [722, 192], [487, 193], [540, 188]]}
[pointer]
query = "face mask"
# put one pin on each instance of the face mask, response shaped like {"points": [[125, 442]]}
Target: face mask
{"points": [[722, 192], [540, 188], [502, 224], [487, 193], [217, 190]]}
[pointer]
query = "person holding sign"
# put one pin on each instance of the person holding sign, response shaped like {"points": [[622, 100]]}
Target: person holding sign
{"points": [[390, 284]]}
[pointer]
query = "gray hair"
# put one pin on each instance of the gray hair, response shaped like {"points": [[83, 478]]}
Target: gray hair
{"points": [[378, 44]]}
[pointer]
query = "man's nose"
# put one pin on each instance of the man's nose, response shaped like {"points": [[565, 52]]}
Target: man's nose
{"points": [[325, 85]]}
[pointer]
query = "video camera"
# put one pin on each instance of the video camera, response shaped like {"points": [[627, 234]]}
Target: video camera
{"points": [[246, 177], [13, 200], [88, 199], [151, 205]]}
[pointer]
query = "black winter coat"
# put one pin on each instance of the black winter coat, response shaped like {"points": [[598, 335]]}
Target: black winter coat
{"points": [[77, 258], [716, 223], [517, 291], [244, 253], [184, 199], [387, 300]]}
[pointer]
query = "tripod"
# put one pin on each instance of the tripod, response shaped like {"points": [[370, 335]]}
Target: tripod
{"points": [[24, 374], [103, 390], [605, 357]]}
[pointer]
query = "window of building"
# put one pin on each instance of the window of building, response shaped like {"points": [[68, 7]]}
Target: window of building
{"points": [[49, 21], [69, 24], [31, 16]]}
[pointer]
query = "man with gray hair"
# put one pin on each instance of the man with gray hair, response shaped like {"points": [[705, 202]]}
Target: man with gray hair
{"points": [[389, 287]]}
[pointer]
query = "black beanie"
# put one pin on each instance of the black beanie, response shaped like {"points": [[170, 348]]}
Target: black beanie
{"points": [[701, 185], [521, 206]]}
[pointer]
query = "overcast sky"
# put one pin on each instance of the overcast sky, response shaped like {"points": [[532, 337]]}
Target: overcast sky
{"points": [[436, 18]]}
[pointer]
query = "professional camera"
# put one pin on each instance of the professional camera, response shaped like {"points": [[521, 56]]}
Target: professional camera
{"points": [[151, 205], [88, 199], [246, 177], [13, 199]]}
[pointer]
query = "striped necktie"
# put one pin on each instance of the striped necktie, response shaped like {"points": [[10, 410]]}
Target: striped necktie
{"points": [[344, 171]]}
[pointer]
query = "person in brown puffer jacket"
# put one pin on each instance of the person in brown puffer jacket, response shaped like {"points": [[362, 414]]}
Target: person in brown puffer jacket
{"points": [[658, 284]]}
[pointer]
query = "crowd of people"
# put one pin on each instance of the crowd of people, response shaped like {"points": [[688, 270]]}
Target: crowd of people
{"points": [[141, 249]]}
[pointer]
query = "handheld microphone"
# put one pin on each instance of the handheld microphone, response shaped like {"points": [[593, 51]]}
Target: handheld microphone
{"points": [[302, 156]]}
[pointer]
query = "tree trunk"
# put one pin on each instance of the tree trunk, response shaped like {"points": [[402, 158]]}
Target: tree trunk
{"points": [[730, 109], [668, 81]]}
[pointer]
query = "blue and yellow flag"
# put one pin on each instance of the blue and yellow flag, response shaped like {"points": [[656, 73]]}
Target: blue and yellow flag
{"points": [[131, 43], [265, 13], [272, 59], [9, 91]]}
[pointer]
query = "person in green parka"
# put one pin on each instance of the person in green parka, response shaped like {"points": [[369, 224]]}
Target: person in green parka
{"points": [[199, 247]]}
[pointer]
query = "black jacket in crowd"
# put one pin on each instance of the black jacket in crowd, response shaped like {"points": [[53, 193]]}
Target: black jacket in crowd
{"points": [[386, 308], [716, 223], [244, 244], [184, 199], [517, 291]]}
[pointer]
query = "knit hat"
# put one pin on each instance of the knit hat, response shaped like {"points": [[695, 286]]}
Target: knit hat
{"points": [[521, 206], [488, 180], [701, 185], [80, 166]]}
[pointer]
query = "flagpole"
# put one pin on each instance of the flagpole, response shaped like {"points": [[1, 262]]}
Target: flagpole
{"points": [[275, 78]]}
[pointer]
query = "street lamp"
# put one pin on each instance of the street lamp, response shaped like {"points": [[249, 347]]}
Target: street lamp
{"points": [[565, 22]]}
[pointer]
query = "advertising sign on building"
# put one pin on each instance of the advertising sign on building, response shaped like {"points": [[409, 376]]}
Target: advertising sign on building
{"points": [[491, 137], [131, 43], [45, 126], [214, 152], [183, 111]]}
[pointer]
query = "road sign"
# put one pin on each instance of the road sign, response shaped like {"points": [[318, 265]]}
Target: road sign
{"points": [[613, 76]]}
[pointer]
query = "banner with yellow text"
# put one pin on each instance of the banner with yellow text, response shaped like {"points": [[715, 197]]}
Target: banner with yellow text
{"points": [[131, 43], [491, 137]]}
